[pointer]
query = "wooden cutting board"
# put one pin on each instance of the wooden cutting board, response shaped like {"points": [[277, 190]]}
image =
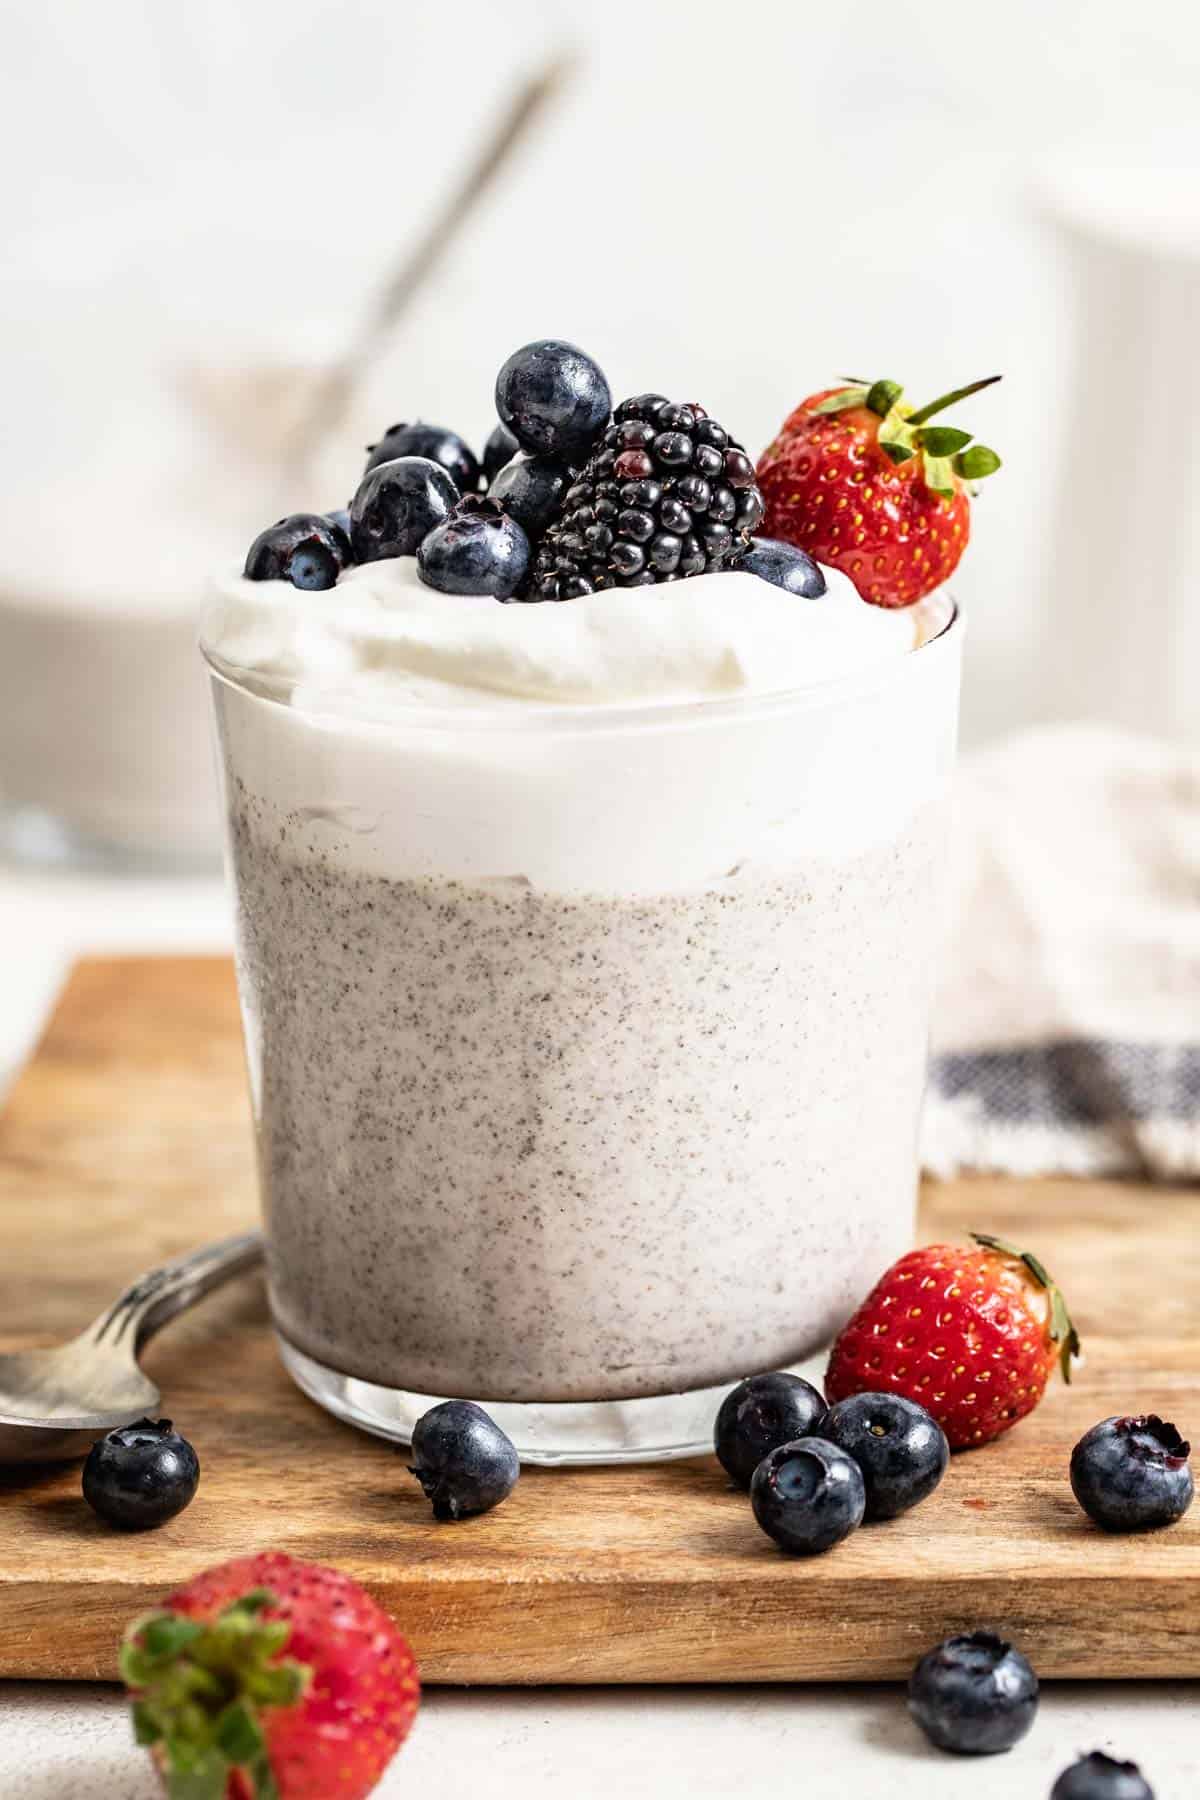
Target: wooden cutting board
{"points": [[127, 1140]]}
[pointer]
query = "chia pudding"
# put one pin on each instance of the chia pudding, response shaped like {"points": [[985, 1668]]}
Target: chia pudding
{"points": [[528, 1145]]}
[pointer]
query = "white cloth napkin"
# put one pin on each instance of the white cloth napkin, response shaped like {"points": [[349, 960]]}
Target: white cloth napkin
{"points": [[1066, 1035]]}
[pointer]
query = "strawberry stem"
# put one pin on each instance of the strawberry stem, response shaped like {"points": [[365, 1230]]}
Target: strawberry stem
{"points": [[951, 399], [1062, 1330]]}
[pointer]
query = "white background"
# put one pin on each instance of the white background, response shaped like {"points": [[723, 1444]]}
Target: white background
{"points": [[732, 202]]}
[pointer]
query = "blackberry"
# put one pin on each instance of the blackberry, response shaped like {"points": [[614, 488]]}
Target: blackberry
{"points": [[666, 493]]}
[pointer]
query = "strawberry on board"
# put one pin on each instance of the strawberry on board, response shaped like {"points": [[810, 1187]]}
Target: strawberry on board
{"points": [[270, 1679], [865, 484], [971, 1334]]}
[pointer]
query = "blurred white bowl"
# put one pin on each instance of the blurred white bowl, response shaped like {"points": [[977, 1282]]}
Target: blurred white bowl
{"points": [[131, 464], [104, 730]]}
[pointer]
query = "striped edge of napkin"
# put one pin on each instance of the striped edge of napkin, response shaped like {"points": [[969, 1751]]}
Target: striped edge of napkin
{"points": [[1066, 1033]]}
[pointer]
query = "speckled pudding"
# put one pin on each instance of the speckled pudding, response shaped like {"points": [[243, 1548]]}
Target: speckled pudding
{"points": [[586, 1040]]}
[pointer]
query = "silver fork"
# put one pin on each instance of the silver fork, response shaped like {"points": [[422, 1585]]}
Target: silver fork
{"points": [[55, 1403]]}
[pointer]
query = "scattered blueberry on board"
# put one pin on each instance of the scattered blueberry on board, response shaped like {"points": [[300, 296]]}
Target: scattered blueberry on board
{"points": [[900, 1448], [441, 446], [307, 549], [499, 450], [397, 505], [554, 399], [808, 1496], [975, 1695], [1132, 1474], [1099, 1777], [140, 1475], [463, 1460], [479, 549], [761, 1413], [786, 567]]}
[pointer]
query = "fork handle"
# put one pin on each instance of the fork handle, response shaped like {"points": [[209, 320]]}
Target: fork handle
{"points": [[157, 1297]]}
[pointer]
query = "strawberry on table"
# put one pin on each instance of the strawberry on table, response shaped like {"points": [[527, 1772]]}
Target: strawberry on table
{"points": [[971, 1334], [864, 483], [270, 1679]]}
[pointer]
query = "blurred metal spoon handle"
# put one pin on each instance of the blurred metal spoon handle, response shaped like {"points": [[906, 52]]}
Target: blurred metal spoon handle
{"points": [[334, 389], [157, 1297]]}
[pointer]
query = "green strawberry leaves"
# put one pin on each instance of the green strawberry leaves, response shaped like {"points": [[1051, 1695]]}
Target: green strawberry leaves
{"points": [[198, 1691], [1062, 1329], [882, 396], [946, 452], [975, 463], [843, 401], [942, 440]]}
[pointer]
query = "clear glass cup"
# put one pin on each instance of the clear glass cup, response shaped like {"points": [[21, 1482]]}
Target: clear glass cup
{"points": [[586, 1046]]}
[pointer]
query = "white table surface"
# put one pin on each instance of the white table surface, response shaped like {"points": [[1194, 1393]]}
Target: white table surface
{"points": [[72, 1742]]}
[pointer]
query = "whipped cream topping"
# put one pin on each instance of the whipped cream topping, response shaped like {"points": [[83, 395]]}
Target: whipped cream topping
{"points": [[381, 641]]}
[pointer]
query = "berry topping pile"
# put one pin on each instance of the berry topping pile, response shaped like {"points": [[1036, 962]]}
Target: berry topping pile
{"points": [[865, 484], [578, 498]]}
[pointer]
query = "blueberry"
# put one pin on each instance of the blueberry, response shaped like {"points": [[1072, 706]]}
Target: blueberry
{"points": [[554, 399], [444, 447], [478, 550], [397, 505], [462, 1459], [1132, 1474], [500, 448], [974, 1694], [1098, 1777], [341, 518], [784, 566], [306, 549], [901, 1450], [808, 1496], [761, 1413], [140, 1475], [530, 489]]}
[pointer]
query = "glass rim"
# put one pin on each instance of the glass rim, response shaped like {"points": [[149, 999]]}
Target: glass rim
{"points": [[568, 719]]}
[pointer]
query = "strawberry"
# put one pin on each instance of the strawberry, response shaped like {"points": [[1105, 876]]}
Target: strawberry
{"points": [[971, 1334], [270, 1679], [860, 481]]}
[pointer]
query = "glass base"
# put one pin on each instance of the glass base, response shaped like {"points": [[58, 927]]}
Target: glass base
{"points": [[553, 1434]]}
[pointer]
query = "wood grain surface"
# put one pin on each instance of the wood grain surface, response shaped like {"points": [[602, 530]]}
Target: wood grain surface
{"points": [[127, 1140]]}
